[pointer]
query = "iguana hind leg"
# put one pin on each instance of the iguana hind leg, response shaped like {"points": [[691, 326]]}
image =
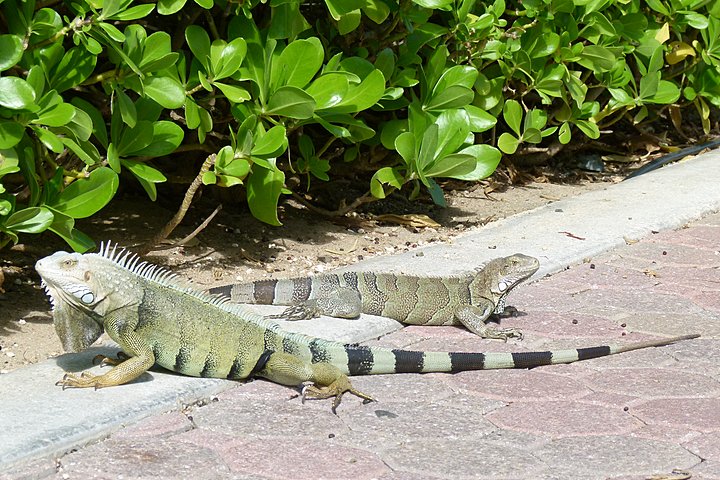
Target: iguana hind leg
{"points": [[327, 381], [340, 302], [475, 319]]}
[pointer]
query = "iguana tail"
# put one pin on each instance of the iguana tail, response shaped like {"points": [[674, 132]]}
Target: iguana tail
{"points": [[363, 360]]}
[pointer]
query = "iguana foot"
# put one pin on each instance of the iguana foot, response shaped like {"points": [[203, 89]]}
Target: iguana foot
{"points": [[336, 389], [502, 333], [85, 380]]}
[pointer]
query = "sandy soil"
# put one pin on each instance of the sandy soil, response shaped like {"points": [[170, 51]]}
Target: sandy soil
{"points": [[236, 247]]}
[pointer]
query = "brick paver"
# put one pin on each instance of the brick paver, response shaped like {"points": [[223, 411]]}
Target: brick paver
{"points": [[629, 416]]}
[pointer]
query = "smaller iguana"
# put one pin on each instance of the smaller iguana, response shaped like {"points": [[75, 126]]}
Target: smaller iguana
{"points": [[467, 299]]}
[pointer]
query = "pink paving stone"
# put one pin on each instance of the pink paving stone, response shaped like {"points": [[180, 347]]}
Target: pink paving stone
{"points": [[682, 279], [651, 383], [709, 300], [313, 460], [673, 254], [520, 385], [706, 237], [645, 300], [565, 325], [161, 425], [564, 418], [542, 297], [456, 416], [701, 414], [674, 434], [595, 274], [674, 324], [706, 446]]}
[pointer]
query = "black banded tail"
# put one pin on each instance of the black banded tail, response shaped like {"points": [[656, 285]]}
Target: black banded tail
{"points": [[362, 360]]}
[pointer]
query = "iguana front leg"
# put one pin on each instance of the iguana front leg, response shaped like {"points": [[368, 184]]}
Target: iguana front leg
{"points": [[475, 318], [135, 359], [123, 372], [340, 302], [327, 380]]}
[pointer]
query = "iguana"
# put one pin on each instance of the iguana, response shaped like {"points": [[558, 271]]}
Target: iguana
{"points": [[467, 299], [156, 319]]}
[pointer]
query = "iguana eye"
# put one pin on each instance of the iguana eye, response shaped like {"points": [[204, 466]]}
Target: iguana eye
{"points": [[87, 298], [69, 263], [502, 286]]}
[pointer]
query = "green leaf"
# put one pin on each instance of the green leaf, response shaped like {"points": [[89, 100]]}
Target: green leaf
{"points": [[328, 90], [16, 93], [192, 114], [480, 120], [30, 220], [338, 8], [225, 59], [405, 146], [565, 133], [271, 144], [597, 58], [263, 192], [233, 93], [377, 11], [84, 150], [166, 138], [64, 227], [166, 91], [11, 133], [428, 148], [11, 51], [133, 13], [56, 116], [135, 139], [128, 113], [512, 114], [199, 42], [146, 175], [83, 198], [453, 129], [291, 102], [390, 131], [508, 143], [74, 68], [435, 4], [455, 96], [349, 22], [297, 64], [361, 97], [462, 75], [388, 176], [487, 159], [451, 166]]}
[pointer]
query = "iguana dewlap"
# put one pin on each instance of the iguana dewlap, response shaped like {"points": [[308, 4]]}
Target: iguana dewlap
{"points": [[157, 320], [468, 299]]}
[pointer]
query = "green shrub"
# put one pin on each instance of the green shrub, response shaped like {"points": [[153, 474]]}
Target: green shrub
{"points": [[94, 90]]}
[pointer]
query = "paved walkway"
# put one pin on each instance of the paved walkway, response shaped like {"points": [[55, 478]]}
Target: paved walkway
{"points": [[629, 416]]}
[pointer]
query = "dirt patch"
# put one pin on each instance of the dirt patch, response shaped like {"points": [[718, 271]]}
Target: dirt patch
{"points": [[236, 247]]}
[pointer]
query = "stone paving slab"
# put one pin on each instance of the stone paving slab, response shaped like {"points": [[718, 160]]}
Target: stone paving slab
{"points": [[627, 416]]}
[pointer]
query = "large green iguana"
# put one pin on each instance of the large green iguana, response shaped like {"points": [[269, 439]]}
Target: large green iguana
{"points": [[157, 320], [467, 299]]}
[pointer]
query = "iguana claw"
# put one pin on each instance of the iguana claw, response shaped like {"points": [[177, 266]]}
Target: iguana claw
{"points": [[336, 389]]}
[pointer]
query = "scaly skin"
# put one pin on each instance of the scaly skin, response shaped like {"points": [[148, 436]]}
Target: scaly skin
{"points": [[157, 320], [467, 300]]}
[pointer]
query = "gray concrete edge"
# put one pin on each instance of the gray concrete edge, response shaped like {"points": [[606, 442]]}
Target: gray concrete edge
{"points": [[42, 420]]}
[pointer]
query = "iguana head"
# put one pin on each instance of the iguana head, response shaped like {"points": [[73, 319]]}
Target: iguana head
{"points": [[501, 275], [74, 293]]}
